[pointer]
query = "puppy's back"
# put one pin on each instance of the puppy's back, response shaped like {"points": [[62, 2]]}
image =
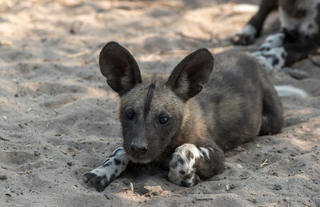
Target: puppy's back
{"points": [[233, 98]]}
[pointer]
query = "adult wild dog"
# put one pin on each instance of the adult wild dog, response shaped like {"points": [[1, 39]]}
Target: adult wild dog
{"points": [[188, 119], [299, 35]]}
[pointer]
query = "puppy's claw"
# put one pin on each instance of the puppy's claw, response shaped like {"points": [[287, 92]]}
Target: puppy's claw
{"points": [[99, 182], [102, 184], [88, 176], [189, 183]]}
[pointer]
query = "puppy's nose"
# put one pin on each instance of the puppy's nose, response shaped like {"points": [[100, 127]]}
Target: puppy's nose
{"points": [[138, 148]]}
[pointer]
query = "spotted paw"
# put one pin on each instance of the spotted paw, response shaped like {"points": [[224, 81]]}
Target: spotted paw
{"points": [[183, 165], [99, 182], [182, 172], [103, 175], [272, 59]]}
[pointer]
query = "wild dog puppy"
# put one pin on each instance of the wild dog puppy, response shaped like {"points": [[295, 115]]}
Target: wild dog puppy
{"points": [[299, 35], [188, 119]]}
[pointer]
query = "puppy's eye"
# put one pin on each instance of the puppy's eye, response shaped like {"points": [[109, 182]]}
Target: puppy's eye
{"points": [[163, 119], [130, 114]]}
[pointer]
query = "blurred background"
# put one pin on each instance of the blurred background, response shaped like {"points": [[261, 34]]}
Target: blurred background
{"points": [[153, 30]]}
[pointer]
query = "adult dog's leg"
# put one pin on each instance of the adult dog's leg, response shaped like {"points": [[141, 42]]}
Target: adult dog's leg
{"points": [[102, 176], [299, 51], [255, 25], [278, 50], [189, 163]]}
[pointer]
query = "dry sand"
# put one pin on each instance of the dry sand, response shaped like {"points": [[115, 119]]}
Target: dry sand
{"points": [[59, 119]]}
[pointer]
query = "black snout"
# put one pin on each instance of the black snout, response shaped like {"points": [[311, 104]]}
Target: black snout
{"points": [[138, 148]]}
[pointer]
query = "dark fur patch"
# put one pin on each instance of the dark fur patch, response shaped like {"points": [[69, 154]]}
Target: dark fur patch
{"points": [[107, 160], [182, 172], [101, 185], [181, 161], [188, 176], [89, 176], [275, 61], [265, 49], [106, 164], [185, 184], [300, 13], [174, 165], [190, 155], [112, 177], [117, 162], [147, 102]]}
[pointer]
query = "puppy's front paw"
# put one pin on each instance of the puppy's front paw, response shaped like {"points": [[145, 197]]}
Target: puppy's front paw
{"points": [[182, 166], [245, 37], [102, 176], [182, 172], [100, 182], [99, 178]]}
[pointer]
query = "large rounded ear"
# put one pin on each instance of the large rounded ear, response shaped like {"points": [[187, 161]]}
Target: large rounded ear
{"points": [[119, 67], [189, 76]]}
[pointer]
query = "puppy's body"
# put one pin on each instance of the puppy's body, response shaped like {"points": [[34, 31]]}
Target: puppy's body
{"points": [[162, 122], [237, 93], [233, 96], [299, 33]]}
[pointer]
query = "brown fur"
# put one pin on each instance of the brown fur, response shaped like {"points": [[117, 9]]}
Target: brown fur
{"points": [[234, 101]]}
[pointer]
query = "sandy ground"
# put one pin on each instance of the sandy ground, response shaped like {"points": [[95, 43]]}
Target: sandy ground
{"points": [[58, 118]]}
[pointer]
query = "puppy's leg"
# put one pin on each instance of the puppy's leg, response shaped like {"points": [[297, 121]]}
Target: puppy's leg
{"points": [[103, 175], [272, 112], [255, 25], [189, 163]]}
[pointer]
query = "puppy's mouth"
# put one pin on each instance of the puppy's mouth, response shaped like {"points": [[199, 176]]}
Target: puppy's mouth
{"points": [[143, 158], [140, 160]]}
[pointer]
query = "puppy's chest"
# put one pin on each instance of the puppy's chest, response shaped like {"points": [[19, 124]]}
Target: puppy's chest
{"points": [[301, 16]]}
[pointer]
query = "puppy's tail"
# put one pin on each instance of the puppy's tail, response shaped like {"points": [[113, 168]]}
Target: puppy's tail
{"points": [[287, 90]]}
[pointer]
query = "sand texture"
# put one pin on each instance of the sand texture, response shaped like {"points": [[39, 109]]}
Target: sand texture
{"points": [[58, 117]]}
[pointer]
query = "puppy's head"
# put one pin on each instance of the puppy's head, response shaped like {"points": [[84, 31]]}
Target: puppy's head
{"points": [[152, 108]]}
